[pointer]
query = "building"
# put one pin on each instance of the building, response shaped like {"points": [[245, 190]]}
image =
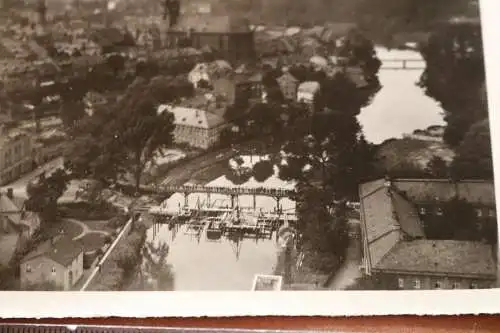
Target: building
{"points": [[57, 262], [16, 154], [396, 249], [196, 126], [17, 225], [208, 72], [230, 37], [288, 85], [308, 92]]}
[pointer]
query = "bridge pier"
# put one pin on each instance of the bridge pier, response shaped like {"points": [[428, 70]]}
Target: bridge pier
{"points": [[254, 202], [278, 208], [233, 197]]}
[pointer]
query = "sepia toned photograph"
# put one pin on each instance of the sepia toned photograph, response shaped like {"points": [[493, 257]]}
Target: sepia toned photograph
{"points": [[244, 145]]}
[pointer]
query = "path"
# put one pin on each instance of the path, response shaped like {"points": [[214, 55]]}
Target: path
{"points": [[85, 229], [349, 271]]}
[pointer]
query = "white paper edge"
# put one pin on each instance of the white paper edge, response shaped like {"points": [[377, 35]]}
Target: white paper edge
{"points": [[293, 303]]}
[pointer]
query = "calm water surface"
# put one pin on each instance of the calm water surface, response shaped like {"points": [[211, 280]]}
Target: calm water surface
{"points": [[401, 106], [201, 264]]}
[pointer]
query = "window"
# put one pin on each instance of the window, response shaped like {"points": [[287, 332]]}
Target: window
{"points": [[456, 285], [492, 213], [423, 211], [438, 284], [28, 269], [479, 212], [401, 283], [416, 284], [53, 270], [439, 211], [474, 285]]}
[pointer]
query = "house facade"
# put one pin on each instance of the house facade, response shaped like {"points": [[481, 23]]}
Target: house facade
{"points": [[195, 126], [58, 262], [399, 254], [228, 36], [16, 154], [17, 226], [288, 85]]}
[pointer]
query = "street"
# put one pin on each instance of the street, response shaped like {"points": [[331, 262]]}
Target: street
{"points": [[19, 185], [349, 271]]}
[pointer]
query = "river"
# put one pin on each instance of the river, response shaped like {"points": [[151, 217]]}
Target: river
{"points": [[401, 106], [199, 264]]}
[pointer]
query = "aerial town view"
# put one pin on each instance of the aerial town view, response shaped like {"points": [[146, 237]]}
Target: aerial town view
{"points": [[192, 145]]}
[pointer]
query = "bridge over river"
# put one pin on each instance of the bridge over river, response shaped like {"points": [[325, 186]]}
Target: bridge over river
{"points": [[233, 192]]}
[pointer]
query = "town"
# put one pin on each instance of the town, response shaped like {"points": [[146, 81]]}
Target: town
{"points": [[179, 145]]}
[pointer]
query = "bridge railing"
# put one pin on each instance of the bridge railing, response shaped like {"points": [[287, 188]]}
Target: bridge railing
{"points": [[403, 64], [223, 190]]}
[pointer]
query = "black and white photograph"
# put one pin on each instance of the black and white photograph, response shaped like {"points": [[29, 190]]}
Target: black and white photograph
{"points": [[245, 145]]}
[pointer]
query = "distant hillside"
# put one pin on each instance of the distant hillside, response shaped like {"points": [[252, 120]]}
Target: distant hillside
{"points": [[395, 154]]}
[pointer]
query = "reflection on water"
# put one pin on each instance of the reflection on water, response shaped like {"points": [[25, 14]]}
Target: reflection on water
{"points": [[228, 263]]}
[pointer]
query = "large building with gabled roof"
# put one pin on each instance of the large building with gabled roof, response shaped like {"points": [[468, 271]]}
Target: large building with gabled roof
{"points": [[396, 249], [58, 262]]}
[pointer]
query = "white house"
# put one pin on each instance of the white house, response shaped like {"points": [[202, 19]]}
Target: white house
{"points": [[307, 92], [209, 71], [194, 126]]}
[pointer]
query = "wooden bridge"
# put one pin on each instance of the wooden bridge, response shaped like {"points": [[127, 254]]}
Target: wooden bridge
{"points": [[403, 64], [230, 191]]}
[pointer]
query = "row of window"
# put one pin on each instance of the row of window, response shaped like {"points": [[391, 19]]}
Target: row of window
{"points": [[480, 212], [438, 284], [29, 269]]}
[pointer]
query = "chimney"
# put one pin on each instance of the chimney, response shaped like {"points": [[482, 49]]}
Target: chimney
{"points": [[10, 193]]}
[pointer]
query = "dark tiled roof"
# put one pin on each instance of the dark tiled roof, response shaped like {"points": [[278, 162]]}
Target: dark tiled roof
{"points": [[407, 216], [216, 24], [447, 257], [422, 190], [63, 251]]}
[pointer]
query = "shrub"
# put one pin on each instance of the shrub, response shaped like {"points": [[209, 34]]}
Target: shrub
{"points": [[262, 170], [118, 221]]}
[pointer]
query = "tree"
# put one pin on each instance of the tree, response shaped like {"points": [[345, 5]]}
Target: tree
{"points": [[262, 170], [156, 266], [140, 130], [457, 221], [437, 167], [455, 76], [473, 158], [135, 134], [44, 193]]}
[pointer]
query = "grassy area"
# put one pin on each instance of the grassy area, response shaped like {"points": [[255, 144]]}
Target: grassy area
{"points": [[68, 228], [85, 211], [210, 173], [102, 225], [93, 241]]}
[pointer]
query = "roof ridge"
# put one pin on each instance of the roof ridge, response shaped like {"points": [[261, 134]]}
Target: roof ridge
{"points": [[382, 186], [442, 180]]}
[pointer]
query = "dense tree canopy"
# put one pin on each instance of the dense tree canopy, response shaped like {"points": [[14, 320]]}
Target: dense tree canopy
{"points": [[133, 134], [44, 193], [474, 154], [455, 76]]}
